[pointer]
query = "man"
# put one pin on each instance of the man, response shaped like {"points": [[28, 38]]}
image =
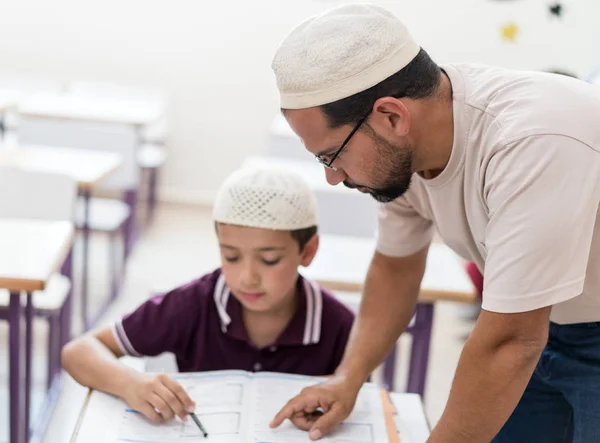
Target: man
{"points": [[505, 165]]}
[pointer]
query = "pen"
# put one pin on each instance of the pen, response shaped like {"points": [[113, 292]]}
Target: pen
{"points": [[195, 418]]}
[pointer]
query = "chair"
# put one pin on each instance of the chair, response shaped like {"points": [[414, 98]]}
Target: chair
{"points": [[33, 195], [152, 153], [114, 216]]}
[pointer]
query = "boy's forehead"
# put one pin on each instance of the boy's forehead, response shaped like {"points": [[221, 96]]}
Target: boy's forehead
{"points": [[245, 236]]}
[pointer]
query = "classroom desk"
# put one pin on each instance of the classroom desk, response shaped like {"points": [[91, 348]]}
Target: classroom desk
{"points": [[342, 262], [410, 419], [91, 109], [32, 250], [87, 167], [341, 265]]}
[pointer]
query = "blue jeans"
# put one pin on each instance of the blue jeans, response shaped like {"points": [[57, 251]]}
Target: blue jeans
{"points": [[562, 401]]}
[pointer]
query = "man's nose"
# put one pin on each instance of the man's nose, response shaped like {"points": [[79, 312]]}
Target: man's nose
{"points": [[334, 177]]}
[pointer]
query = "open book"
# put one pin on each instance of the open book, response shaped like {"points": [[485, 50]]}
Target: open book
{"points": [[236, 407]]}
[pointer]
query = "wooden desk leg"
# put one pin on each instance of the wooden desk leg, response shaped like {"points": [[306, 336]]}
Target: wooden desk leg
{"points": [[419, 358], [28, 362], [84, 272], [17, 400]]}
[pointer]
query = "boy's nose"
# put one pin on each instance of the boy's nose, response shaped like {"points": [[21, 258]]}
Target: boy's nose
{"points": [[334, 177], [249, 277]]}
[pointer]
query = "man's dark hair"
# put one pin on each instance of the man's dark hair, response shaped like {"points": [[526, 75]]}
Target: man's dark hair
{"points": [[301, 236], [419, 79]]}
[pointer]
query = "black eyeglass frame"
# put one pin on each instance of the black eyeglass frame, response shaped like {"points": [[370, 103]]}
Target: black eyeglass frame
{"points": [[329, 164]]}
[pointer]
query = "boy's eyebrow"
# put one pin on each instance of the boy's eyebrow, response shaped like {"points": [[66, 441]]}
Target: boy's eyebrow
{"points": [[265, 249]]}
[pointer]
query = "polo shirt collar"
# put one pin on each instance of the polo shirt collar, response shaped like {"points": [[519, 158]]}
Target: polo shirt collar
{"points": [[303, 329]]}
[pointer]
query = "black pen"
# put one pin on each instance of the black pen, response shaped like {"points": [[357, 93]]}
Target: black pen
{"points": [[199, 424]]}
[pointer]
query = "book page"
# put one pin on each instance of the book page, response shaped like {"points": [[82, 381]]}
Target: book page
{"points": [[219, 398], [270, 392]]}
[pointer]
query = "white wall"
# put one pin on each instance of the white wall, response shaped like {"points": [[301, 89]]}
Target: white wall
{"points": [[213, 58]]}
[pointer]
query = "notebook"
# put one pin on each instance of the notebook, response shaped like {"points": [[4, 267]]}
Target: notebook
{"points": [[237, 407]]}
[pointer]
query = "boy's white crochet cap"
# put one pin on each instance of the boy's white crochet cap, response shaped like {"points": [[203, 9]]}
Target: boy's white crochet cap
{"points": [[267, 198], [340, 52]]}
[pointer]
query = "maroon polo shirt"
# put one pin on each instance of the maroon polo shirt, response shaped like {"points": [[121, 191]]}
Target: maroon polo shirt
{"points": [[201, 323]]}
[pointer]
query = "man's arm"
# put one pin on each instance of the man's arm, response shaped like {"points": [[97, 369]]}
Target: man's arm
{"points": [[496, 364], [390, 296], [389, 299]]}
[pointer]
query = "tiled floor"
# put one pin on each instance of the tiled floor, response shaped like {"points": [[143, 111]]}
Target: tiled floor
{"points": [[179, 246]]}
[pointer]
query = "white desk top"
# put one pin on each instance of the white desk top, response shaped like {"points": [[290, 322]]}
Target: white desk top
{"points": [[32, 250], [410, 421], [93, 109], [342, 262], [87, 167]]}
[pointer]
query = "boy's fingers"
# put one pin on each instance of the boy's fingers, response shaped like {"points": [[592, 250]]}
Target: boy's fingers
{"points": [[148, 410], [183, 397], [171, 400], [158, 403]]}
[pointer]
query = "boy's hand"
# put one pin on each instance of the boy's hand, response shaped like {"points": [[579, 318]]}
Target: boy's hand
{"points": [[150, 393], [319, 408]]}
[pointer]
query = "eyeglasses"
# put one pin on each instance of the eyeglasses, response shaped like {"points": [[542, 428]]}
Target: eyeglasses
{"points": [[328, 164]]}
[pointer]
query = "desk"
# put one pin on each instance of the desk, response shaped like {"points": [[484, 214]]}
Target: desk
{"points": [[32, 250], [341, 264], [92, 109], [87, 167], [410, 419]]}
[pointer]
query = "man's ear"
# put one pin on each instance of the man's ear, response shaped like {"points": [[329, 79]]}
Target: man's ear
{"points": [[310, 250], [392, 116]]}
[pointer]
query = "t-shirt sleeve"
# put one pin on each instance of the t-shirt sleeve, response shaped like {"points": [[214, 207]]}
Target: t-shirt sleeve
{"points": [[401, 230], [164, 323], [542, 194]]}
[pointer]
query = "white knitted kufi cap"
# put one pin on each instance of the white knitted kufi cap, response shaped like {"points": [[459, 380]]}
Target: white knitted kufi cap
{"points": [[266, 198], [340, 52]]}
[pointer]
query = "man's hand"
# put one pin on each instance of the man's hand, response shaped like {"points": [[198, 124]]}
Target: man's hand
{"points": [[149, 394], [319, 408]]}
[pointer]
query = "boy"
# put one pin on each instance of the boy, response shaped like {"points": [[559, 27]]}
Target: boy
{"points": [[254, 313]]}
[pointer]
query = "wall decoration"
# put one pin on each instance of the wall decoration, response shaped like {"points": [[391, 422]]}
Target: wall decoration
{"points": [[556, 9], [509, 31]]}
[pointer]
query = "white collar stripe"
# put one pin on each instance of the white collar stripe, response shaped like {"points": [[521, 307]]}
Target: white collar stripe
{"points": [[318, 312], [308, 294], [221, 295]]}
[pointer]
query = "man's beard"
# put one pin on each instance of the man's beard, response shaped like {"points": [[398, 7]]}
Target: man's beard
{"points": [[393, 169]]}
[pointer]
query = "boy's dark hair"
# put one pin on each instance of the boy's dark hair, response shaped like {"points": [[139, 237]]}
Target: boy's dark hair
{"points": [[419, 79], [302, 236]]}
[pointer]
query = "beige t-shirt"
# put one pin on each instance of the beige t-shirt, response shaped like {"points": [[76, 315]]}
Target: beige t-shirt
{"points": [[520, 194]]}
